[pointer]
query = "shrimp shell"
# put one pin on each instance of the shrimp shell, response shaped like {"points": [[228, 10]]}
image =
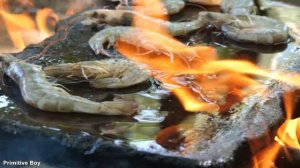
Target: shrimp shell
{"points": [[40, 93], [257, 29], [247, 28], [107, 73], [239, 7]]}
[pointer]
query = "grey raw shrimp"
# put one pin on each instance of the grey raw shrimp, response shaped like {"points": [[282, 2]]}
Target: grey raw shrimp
{"points": [[107, 73], [250, 28], [38, 92]]}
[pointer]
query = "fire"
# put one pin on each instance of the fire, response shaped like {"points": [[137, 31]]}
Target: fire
{"points": [[265, 159], [22, 28], [203, 83], [194, 74], [199, 80], [287, 133], [287, 136], [41, 20], [182, 66]]}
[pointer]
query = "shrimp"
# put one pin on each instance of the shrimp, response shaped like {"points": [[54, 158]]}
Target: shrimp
{"points": [[238, 7], [107, 73], [112, 34], [142, 39], [255, 29], [248, 28], [125, 17], [38, 92]]}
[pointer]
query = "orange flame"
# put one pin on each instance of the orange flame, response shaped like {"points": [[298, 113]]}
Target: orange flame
{"points": [[41, 20], [265, 158], [287, 136], [22, 29], [288, 133], [214, 82], [199, 80], [177, 58]]}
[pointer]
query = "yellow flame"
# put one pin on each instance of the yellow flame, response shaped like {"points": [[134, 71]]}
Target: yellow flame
{"points": [[287, 136], [287, 133], [265, 159], [172, 57], [41, 20]]}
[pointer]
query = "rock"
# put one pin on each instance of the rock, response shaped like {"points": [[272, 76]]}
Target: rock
{"points": [[122, 141]]}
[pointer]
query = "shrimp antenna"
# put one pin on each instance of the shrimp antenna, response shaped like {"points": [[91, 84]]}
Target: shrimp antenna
{"points": [[196, 5], [60, 86]]}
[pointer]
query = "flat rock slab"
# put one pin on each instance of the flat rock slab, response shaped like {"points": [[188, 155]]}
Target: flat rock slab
{"points": [[99, 136], [78, 131]]}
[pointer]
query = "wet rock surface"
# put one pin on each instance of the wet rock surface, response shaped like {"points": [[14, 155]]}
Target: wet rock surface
{"points": [[108, 141], [98, 140]]}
